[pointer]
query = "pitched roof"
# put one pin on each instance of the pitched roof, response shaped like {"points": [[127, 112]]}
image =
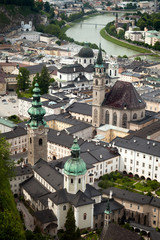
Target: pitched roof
{"points": [[20, 171], [99, 208], [128, 196], [91, 191], [16, 132], [81, 199], [60, 197], [81, 108], [45, 216], [72, 68], [123, 95], [48, 173], [115, 232], [139, 144]]}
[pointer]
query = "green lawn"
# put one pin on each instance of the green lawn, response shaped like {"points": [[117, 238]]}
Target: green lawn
{"points": [[122, 44], [143, 188]]}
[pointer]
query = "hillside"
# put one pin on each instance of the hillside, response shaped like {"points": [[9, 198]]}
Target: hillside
{"points": [[11, 16]]}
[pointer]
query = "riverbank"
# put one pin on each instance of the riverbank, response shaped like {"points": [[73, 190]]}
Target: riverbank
{"points": [[122, 43]]}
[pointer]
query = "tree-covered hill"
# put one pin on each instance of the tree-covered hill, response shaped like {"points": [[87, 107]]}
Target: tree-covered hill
{"points": [[10, 222], [11, 15]]}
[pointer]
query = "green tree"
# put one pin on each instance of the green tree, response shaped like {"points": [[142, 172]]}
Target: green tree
{"points": [[43, 80], [23, 79], [70, 225], [11, 227], [46, 7], [156, 24]]}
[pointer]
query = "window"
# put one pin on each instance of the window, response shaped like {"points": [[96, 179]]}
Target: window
{"points": [[150, 158], [155, 175], [131, 161], [154, 209], [156, 168], [79, 180], [125, 166], [154, 222], [137, 163], [84, 216], [96, 82], [71, 180], [114, 119], [144, 155], [107, 117], [64, 207], [142, 171], [130, 168], [143, 164], [125, 151], [135, 116], [124, 120], [130, 205], [149, 166], [137, 154], [136, 169], [40, 142], [30, 140], [125, 159], [120, 150], [138, 207], [156, 159], [149, 174]]}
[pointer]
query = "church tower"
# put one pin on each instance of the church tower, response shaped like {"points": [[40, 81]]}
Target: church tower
{"points": [[107, 214], [37, 129], [99, 80], [75, 171]]}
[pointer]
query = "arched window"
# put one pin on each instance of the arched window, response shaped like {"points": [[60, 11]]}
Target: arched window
{"points": [[110, 72], [142, 115], [95, 115], [84, 216], [115, 72], [30, 140], [64, 207], [84, 60], [60, 76], [124, 120], [135, 116], [107, 117], [79, 180], [114, 119], [40, 142], [96, 82]]}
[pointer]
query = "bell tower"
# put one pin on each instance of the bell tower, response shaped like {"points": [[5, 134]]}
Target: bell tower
{"points": [[37, 129], [99, 80], [75, 171]]}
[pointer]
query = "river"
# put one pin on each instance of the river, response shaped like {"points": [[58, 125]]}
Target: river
{"points": [[89, 33]]}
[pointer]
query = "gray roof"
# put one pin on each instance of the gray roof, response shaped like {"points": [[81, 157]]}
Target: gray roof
{"points": [[35, 68], [80, 199], [139, 144], [79, 127], [99, 208], [91, 191], [60, 197], [81, 108], [34, 188], [73, 68], [128, 196], [116, 232], [61, 138], [49, 174], [152, 96], [20, 171], [45, 216], [16, 132]]}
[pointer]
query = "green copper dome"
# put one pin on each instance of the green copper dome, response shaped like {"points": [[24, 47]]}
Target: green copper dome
{"points": [[36, 112], [75, 165], [86, 52]]}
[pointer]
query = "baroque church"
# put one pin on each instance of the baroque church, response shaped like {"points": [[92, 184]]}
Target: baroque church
{"points": [[82, 72], [118, 107], [51, 193]]}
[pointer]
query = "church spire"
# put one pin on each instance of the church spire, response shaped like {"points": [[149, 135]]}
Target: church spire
{"points": [[36, 112], [99, 58]]}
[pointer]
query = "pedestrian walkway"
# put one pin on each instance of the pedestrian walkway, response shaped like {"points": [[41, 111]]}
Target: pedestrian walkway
{"points": [[28, 218]]}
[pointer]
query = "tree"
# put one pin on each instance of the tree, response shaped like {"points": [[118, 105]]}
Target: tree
{"points": [[70, 225], [23, 79], [43, 80], [46, 7], [11, 227]]}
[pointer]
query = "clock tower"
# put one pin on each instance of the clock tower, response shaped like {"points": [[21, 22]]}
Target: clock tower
{"points": [[37, 129]]}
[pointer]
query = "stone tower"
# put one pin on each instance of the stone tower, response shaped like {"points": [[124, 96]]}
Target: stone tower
{"points": [[37, 129], [75, 171], [99, 80]]}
